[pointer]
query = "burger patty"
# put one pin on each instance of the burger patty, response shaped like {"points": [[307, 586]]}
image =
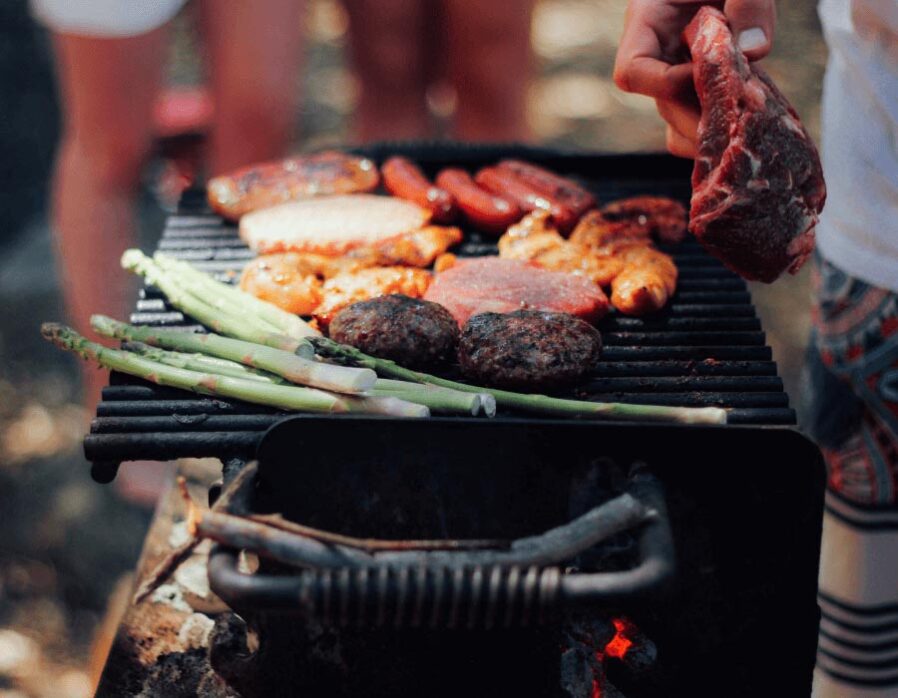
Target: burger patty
{"points": [[527, 349], [412, 332]]}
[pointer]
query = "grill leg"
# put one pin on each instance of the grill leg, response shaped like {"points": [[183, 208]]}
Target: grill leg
{"points": [[104, 472]]}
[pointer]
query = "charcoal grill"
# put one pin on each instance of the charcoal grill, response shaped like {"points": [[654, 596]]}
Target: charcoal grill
{"points": [[706, 348], [745, 499]]}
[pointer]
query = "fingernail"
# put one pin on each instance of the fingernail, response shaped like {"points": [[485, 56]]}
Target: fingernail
{"points": [[752, 38]]}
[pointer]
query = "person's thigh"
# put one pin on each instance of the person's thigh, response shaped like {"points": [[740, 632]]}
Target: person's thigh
{"points": [[107, 87], [253, 54], [390, 57], [489, 61]]}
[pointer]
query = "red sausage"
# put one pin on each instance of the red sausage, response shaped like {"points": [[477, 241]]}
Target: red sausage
{"points": [[404, 179], [486, 211], [560, 189], [526, 196]]}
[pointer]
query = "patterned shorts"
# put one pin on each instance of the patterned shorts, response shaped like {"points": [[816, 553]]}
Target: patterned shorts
{"points": [[853, 410]]}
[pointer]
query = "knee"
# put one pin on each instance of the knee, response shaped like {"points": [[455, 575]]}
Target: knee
{"points": [[112, 161]]}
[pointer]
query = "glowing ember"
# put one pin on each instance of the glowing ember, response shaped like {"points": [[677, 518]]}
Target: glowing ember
{"points": [[621, 641]]}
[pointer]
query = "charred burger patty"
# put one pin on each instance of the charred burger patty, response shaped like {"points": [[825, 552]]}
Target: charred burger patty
{"points": [[409, 331], [527, 349]]}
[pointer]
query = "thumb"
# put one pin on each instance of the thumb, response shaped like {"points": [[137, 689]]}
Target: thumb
{"points": [[753, 22]]}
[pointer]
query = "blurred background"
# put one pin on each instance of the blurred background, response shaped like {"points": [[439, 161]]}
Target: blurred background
{"points": [[66, 544]]}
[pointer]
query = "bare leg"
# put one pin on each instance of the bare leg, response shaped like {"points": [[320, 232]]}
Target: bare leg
{"points": [[253, 52], [387, 48], [107, 88], [489, 62]]}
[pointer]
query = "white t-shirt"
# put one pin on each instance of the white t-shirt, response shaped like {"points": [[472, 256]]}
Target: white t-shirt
{"points": [[104, 18], [858, 230]]}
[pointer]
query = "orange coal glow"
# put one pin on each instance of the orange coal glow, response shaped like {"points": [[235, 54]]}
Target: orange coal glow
{"points": [[617, 647], [621, 641]]}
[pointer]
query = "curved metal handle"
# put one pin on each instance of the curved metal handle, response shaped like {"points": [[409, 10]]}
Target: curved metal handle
{"points": [[470, 588]]}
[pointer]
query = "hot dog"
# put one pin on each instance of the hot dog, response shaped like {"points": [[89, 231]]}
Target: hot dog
{"points": [[526, 196], [405, 180], [559, 188], [485, 210]]}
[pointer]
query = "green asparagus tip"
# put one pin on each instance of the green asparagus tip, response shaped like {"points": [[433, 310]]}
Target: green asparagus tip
{"points": [[52, 330], [131, 258]]}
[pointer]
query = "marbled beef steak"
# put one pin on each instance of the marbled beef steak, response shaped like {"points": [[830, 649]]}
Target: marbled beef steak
{"points": [[757, 186]]}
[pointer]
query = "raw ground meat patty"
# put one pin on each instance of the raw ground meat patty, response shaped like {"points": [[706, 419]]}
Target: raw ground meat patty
{"points": [[493, 285], [757, 186], [409, 331], [527, 350]]}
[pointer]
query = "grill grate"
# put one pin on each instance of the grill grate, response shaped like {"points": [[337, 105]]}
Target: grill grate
{"points": [[706, 348]]}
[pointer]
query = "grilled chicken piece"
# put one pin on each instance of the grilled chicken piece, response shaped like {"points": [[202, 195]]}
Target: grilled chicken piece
{"points": [[416, 249], [534, 239], [660, 217], [641, 277], [290, 280], [648, 280], [281, 279], [598, 232], [271, 183], [348, 288], [444, 262]]}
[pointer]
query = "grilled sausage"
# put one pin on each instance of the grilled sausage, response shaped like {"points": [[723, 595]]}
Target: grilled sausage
{"points": [[526, 196], [271, 183], [560, 189], [484, 210], [404, 179]]}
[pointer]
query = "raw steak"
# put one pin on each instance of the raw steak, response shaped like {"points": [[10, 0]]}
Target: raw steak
{"points": [[757, 186], [493, 285]]}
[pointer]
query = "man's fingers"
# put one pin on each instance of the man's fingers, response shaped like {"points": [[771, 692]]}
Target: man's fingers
{"points": [[753, 23], [683, 118], [679, 145], [649, 76]]}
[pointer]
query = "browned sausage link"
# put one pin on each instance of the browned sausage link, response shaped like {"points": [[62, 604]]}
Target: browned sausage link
{"points": [[271, 183], [561, 189], [527, 197], [404, 179], [485, 211]]}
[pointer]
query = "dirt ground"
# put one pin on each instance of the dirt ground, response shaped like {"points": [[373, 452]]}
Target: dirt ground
{"points": [[65, 542]]}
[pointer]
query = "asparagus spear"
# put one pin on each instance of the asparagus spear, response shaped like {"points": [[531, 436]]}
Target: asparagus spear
{"points": [[203, 363], [437, 399], [282, 396], [282, 363], [216, 293], [244, 326], [447, 401], [541, 404]]}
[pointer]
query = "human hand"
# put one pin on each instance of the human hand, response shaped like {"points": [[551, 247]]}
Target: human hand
{"points": [[652, 59]]}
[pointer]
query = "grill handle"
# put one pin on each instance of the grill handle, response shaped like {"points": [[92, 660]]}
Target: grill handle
{"points": [[456, 592]]}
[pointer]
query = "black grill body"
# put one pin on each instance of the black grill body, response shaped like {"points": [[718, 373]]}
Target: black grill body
{"points": [[745, 499]]}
